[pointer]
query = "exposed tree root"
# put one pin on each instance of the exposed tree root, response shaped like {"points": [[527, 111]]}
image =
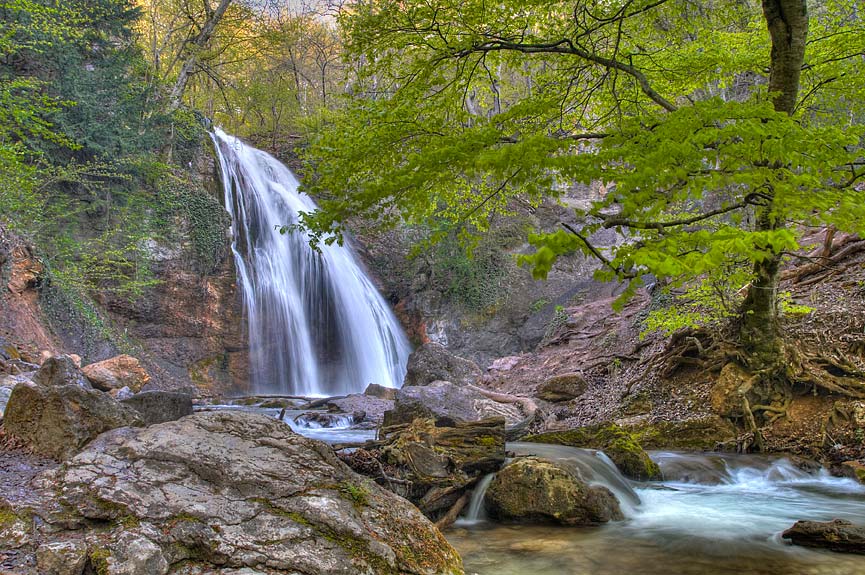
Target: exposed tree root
{"points": [[829, 370], [527, 406], [694, 347]]}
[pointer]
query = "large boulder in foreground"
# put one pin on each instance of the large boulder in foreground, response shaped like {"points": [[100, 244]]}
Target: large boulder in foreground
{"points": [[158, 406], [837, 535], [220, 491], [533, 490], [433, 362], [57, 421], [116, 373]]}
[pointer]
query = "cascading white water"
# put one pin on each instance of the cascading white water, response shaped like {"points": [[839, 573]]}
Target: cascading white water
{"points": [[476, 511], [713, 514], [317, 324]]}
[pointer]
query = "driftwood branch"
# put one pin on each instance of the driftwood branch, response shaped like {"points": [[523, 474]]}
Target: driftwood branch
{"points": [[526, 404], [454, 512]]}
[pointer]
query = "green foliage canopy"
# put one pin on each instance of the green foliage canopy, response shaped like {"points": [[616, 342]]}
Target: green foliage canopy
{"points": [[459, 108]]}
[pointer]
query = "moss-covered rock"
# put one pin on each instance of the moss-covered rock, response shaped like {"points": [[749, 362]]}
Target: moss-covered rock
{"points": [[852, 469], [620, 445], [533, 490], [704, 434]]}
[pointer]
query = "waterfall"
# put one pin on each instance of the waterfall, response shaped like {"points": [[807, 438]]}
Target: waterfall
{"points": [[317, 324], [476, 511]]}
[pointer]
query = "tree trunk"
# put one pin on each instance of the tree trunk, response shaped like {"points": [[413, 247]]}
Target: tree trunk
{"points": [[193, 49], [787, 22]]}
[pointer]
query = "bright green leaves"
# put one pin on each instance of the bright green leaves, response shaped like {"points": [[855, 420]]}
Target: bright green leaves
{"points": [[462, 108], [548, 247], [689, 186]]}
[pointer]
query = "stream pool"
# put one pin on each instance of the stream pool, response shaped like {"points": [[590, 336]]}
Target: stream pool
{"points": [[715, 515]]}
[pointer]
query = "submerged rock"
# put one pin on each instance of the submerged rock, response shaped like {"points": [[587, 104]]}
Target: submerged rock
{"points": [[837, 535], [851, 469], [61, 370], [160, 406], [57, 421], [620, 445], [117, 372], [325, 419], [234, 492], [533, 490], [433, 362], [564, 387], [373, 408]]}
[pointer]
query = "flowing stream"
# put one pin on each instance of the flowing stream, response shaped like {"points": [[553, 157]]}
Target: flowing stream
{"points": [[715, 514], [317, 324]]}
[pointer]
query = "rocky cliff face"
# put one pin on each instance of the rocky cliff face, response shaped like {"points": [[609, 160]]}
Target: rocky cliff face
{"points": [[188, 329], [190, 326], [23, 331]]}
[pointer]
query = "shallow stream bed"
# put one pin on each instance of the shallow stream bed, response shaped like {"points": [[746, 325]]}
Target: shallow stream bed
{"points": [[718, 515], [715, 514]]}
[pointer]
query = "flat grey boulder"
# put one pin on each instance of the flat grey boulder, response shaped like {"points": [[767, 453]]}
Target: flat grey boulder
{"points": [[433, 362], [160, 406], [234, 492], [443, 401], [58, 420]]}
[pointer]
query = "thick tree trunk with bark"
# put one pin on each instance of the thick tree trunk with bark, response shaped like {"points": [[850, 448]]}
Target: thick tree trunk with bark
{"points": [[787, 22]]}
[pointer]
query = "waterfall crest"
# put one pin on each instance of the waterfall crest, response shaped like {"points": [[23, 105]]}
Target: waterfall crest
{"points": [[317, 324]]}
